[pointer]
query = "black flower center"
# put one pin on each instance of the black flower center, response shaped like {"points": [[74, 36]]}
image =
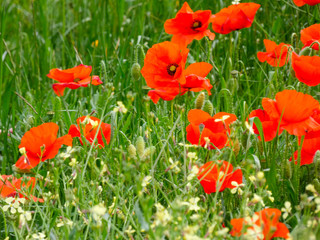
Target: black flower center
{"points": [[196, 24], [172, 68]]}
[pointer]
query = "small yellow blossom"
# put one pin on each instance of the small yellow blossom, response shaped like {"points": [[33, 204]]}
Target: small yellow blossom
{"points": [[121, 108]]}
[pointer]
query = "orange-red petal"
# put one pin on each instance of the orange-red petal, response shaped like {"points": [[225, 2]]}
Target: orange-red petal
{"points": [[307, 69]]}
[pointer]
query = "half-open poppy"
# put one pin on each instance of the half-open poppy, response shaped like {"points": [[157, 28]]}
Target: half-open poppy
{"points": [[276, 55], [11, 186], [207, 131], [195, 81], [263, 225], [307, 69], [189, 25], [234, 17], [39, 144], [72, 78], [88, 125], [300, 3], [218, 176], [311, 34], [295, 110]]}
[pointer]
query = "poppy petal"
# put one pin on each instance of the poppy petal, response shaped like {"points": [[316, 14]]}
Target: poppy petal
{"points": [[197, 116], [200, 69]]}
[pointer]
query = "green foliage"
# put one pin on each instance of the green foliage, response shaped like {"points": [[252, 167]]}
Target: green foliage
{"points": [[36, 36]]}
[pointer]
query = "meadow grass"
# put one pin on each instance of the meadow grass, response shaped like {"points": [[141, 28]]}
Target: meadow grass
{"points": [[36, 36]]}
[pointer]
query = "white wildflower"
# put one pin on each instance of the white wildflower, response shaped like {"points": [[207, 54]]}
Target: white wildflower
{"points": [[237, 188], [286, 209]]}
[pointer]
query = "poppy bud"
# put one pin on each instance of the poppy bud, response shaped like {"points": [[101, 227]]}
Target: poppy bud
{"points": [[316, 158], [244, 139], [200, 100], [287, 170], [132, 151], [316, 184], [135, 71], [236, 147], [208, 107], [260, 147], [140, 145], [305, 51], [57, 109], [103, 69]]}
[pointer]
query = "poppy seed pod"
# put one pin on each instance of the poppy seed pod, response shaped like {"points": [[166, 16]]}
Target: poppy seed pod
{"points": [[135, 71], [140, 145], [200, 100], [208, 107]]}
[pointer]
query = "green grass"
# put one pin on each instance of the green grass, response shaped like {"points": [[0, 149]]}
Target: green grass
{"points": [[37, 36]]}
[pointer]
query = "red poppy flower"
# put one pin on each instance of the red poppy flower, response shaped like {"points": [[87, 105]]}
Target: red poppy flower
{"points": [[296, 109], [12, 187], [234, 17], [218, 176], [276, 55], [307, 69], [300, 3], [263, 225], [72, 78], [39, 144], [89, 129], [269, 126], [195, 82], [189, 25], [164, 64], [310, 35], [213, 133]]}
